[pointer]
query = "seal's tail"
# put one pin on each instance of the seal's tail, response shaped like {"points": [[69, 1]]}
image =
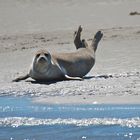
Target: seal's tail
{"points": [[96, 40]]}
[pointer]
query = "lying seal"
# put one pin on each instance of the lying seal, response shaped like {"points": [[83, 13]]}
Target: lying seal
{"points": [[64, 66]]}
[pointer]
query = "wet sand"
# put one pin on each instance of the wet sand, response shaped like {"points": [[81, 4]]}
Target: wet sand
{"points": [[116, 74]]}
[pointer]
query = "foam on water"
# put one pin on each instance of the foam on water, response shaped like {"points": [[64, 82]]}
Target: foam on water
{"points": [[8, 108], [25, 121]]}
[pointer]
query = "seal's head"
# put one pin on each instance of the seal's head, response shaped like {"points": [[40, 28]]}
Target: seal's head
{"points": [[41, 61]]}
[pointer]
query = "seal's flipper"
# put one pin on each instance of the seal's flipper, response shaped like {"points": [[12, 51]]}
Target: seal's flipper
{"points": [[96, 40], [73, 78], [67, 77], [77, 38], [21, 78]]}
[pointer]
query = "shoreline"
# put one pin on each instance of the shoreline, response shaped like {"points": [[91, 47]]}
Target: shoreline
{"points": [[119, 100]]}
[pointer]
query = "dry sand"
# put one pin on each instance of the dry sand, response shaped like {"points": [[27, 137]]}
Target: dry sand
{"points": [[27, 26]]}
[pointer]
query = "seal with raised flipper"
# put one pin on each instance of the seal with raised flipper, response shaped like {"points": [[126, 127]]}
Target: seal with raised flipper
{"points": [[64, 66]]}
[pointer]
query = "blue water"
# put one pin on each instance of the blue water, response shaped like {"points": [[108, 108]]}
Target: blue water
{"points": [[21, 119]]}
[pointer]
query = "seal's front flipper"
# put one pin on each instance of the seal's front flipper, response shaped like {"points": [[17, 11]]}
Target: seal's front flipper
{"points": [[21, 78], [73, 78]]}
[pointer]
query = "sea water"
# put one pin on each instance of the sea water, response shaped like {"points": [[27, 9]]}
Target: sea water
{"points": [[21, 119]]}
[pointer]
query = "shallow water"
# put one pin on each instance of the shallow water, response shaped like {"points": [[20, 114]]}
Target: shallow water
{"points": [[21, 119]]}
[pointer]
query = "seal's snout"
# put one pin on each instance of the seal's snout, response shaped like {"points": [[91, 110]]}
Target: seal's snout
{"points": [[42, 59]]}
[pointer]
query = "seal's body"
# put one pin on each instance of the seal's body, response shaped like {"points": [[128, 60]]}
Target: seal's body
{"points": [[76, 64], [61, 66]]}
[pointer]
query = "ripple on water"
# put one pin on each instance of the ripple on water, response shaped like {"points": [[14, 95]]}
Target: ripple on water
{"points": [[24, 121]]}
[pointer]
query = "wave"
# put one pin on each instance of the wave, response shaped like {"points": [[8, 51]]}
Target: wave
{"points": [[69, 108], [106, 107], [25, 121]]}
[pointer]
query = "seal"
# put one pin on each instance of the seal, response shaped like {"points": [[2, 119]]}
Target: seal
{"points": [[64, 66]]}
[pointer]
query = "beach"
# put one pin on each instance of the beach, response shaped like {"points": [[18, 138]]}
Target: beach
{"points": [[28, 26]]}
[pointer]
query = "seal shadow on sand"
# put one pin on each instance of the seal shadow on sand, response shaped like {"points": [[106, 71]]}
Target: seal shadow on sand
{"points": [[56, 81]]}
